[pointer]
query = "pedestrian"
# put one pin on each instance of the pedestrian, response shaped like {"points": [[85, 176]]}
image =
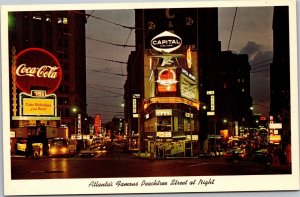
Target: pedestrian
{"points": [[29, 149]]}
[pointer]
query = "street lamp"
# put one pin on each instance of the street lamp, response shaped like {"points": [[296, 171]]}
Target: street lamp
{"points": [[74, 109]]}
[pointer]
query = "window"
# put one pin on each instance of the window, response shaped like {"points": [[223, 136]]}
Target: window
{"points": [[65, 20], [59, 20], [62, 20], [37, 17], [48, 18]]}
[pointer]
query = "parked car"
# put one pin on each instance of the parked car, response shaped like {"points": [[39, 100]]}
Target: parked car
{"points": [[260, 155], [235, 154], [87, 153]]}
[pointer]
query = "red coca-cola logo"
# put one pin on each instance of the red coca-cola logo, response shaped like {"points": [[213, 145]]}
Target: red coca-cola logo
{"points": [[37, 69]]}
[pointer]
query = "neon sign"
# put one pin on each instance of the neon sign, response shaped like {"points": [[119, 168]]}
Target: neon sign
{"points": [[37, 69], [167, 80], [166, 42]]}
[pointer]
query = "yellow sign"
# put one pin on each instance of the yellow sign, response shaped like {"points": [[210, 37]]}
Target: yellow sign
{"points": [[38, 107]]}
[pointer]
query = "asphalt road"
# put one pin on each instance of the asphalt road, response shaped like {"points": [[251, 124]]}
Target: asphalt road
{"points": [[121, 164]]}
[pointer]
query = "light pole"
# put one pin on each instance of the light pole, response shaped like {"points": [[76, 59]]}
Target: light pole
{"points": [[74, 109]]}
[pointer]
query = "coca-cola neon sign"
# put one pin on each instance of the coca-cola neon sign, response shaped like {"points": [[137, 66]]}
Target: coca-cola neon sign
{"points": [[37, 68]]}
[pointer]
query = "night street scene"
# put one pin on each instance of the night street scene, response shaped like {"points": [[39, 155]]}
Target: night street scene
{"points": [[149, 93]]}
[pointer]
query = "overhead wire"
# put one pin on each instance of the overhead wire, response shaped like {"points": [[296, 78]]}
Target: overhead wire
{"points": [[104, 90], [111, 73], [232, 29], [114, 44], [108, 60], [261, 66], [105, 86], [99, 18]]}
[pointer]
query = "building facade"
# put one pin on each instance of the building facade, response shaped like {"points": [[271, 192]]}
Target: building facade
{"points": [[166, 77], [60, 35], [280, 100]]}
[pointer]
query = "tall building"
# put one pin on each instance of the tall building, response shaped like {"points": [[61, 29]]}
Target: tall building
{"points": [[59, 35], [167, 75], [233, 100], [280, 103]]}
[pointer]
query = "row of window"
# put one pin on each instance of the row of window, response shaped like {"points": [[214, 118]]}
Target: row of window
{"points": [[48, 18]]}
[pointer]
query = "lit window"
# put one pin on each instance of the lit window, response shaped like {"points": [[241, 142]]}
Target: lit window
{"points": [[48, 18], [37, 17], [59, 20], [65, 20], [243, 90]]}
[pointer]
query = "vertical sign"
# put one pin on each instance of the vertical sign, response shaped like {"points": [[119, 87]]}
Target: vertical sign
{"points": [[135, 105], [211, 93], [236, 128], [79, 124], [97, 124]]}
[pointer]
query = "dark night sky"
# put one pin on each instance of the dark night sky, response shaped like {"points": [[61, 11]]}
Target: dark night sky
{"points": [[252, 35]]}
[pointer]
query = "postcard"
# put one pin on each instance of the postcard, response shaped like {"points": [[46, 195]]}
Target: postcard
{"points": [[149, 98]]}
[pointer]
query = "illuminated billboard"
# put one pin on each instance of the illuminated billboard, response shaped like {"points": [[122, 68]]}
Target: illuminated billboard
{"points": [[182, 22], [188, 88], [166, 81], [38, 106], [36, 68], [97, 124]]}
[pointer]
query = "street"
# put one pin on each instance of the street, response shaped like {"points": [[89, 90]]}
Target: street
{"points": [[112, 164]]}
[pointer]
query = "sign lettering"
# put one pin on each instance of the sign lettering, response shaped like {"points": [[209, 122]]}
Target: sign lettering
{"points": [[44, 71]]}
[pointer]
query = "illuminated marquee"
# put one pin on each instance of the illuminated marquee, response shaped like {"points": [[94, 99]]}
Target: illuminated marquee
{"points": [[37, 68]]}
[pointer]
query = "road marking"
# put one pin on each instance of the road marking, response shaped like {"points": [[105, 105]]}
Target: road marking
{"points": [[199, 164]]}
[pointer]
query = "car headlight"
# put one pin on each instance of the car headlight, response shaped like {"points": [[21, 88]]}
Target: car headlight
{"points": [[64, 150], [53, 150]]}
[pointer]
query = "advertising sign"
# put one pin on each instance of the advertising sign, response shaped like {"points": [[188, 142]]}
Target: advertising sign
{"points": [[79, 123], [167, 80], [163, 112], [275, 125], [194, 137], [97, 124], [41, 107], [188, 89], [166, 42], [182, 22], [37, 69], [164, 134], [275, 139]]}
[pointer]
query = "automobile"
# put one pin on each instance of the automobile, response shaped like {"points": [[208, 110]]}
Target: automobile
{"points": [[260, 155], [235, 154], [100, 147], [87, 153], [96, 143], [61, 147]]}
